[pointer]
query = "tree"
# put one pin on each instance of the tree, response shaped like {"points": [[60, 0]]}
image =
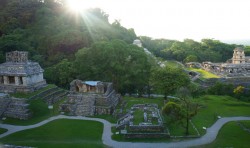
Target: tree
{"points": [[191, 58], [127, 66], [61, 74], [182, 110], [190, 108], [238, 91], [221, 89], [173, 111], [168, 79]]}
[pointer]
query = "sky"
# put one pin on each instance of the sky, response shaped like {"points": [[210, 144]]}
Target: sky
{"points": [[180, 19]]}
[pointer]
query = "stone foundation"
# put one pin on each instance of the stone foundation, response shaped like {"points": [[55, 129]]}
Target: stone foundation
{"points": [[20, 88], [14, 108]]}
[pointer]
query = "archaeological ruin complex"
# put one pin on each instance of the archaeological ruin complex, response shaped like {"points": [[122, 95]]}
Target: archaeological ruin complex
{"points": [[237, 66], [18, 74], [89, 98]]}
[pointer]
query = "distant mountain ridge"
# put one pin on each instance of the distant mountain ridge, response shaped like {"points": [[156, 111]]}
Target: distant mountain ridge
{"points": [[242, 42]]}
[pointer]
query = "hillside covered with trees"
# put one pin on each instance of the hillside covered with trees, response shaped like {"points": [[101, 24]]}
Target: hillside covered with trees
{"points": [[87, 46], [190, 50]]}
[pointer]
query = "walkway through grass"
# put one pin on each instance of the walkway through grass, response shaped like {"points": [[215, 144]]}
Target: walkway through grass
{"points": [[214, 106], [232, 135]]}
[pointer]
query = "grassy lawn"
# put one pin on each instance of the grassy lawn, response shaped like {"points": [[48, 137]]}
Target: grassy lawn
{"points": [[138, 116], [204, 74], [214, 106], [61, 133], [131, 101], [231, 135], [173, 64], [28, 95], [40, 112], [178, 130], [3, 130]]}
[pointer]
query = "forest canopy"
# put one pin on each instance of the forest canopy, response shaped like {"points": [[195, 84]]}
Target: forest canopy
{"points": [[87, 46]]}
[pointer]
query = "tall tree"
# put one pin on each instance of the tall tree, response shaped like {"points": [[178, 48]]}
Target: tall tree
{"points": [[127, 66], [168, 79], [190, 108]]}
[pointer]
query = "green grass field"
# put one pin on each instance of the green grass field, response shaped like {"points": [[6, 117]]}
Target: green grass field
{"points": [[61, 133], [138, 116], [214, 106], [231, 135], [204, 74], [3, 130], [40, 112], [131, 101]]}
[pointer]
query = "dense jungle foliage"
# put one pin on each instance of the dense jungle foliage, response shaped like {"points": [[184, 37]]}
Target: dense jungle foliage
{"points": [[87, 46]]}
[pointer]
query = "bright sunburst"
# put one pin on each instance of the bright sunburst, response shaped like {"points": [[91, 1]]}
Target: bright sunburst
{"points": [[79, 5]]}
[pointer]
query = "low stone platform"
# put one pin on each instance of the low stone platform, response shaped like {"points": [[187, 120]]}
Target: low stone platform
{"points": [[14, 107]]}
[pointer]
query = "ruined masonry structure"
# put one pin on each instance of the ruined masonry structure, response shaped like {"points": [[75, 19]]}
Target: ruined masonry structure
{"points": [[18, 74], [14, 107], [89, 98], [237, 66]]}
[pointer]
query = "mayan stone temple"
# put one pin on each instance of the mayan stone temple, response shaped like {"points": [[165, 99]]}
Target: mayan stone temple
{"points": [[88, 98], [18, 74]]}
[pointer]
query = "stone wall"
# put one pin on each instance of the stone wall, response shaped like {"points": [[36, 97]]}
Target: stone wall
{"points": [[22, 88], [146, 128], [14, 108], [147, 135], [80, 105], [245, 81]]}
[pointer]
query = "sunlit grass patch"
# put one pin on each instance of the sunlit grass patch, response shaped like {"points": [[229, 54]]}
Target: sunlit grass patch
{"points": [[204, 74]]}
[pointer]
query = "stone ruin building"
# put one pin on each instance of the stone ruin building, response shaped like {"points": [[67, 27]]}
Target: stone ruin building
{"points": [[14, 107], [238, 66], [142, 121], [89, 98], [18, 74]]}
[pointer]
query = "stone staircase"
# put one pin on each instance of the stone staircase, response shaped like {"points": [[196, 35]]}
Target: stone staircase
{"points": [[85, 106], [52, 95], [14, 108], [18, 108], [123, 121], [80, 105]]}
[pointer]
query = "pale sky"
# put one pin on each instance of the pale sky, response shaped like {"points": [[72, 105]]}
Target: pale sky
{"points": [[180, 19]]}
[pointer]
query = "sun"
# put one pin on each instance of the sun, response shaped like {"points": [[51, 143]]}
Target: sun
{"points": [[79, 5]]}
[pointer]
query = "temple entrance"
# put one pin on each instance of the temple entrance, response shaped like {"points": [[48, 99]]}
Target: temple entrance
{"points": [[11, 80], [1, 80], [21, 80], [77, 88]]}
